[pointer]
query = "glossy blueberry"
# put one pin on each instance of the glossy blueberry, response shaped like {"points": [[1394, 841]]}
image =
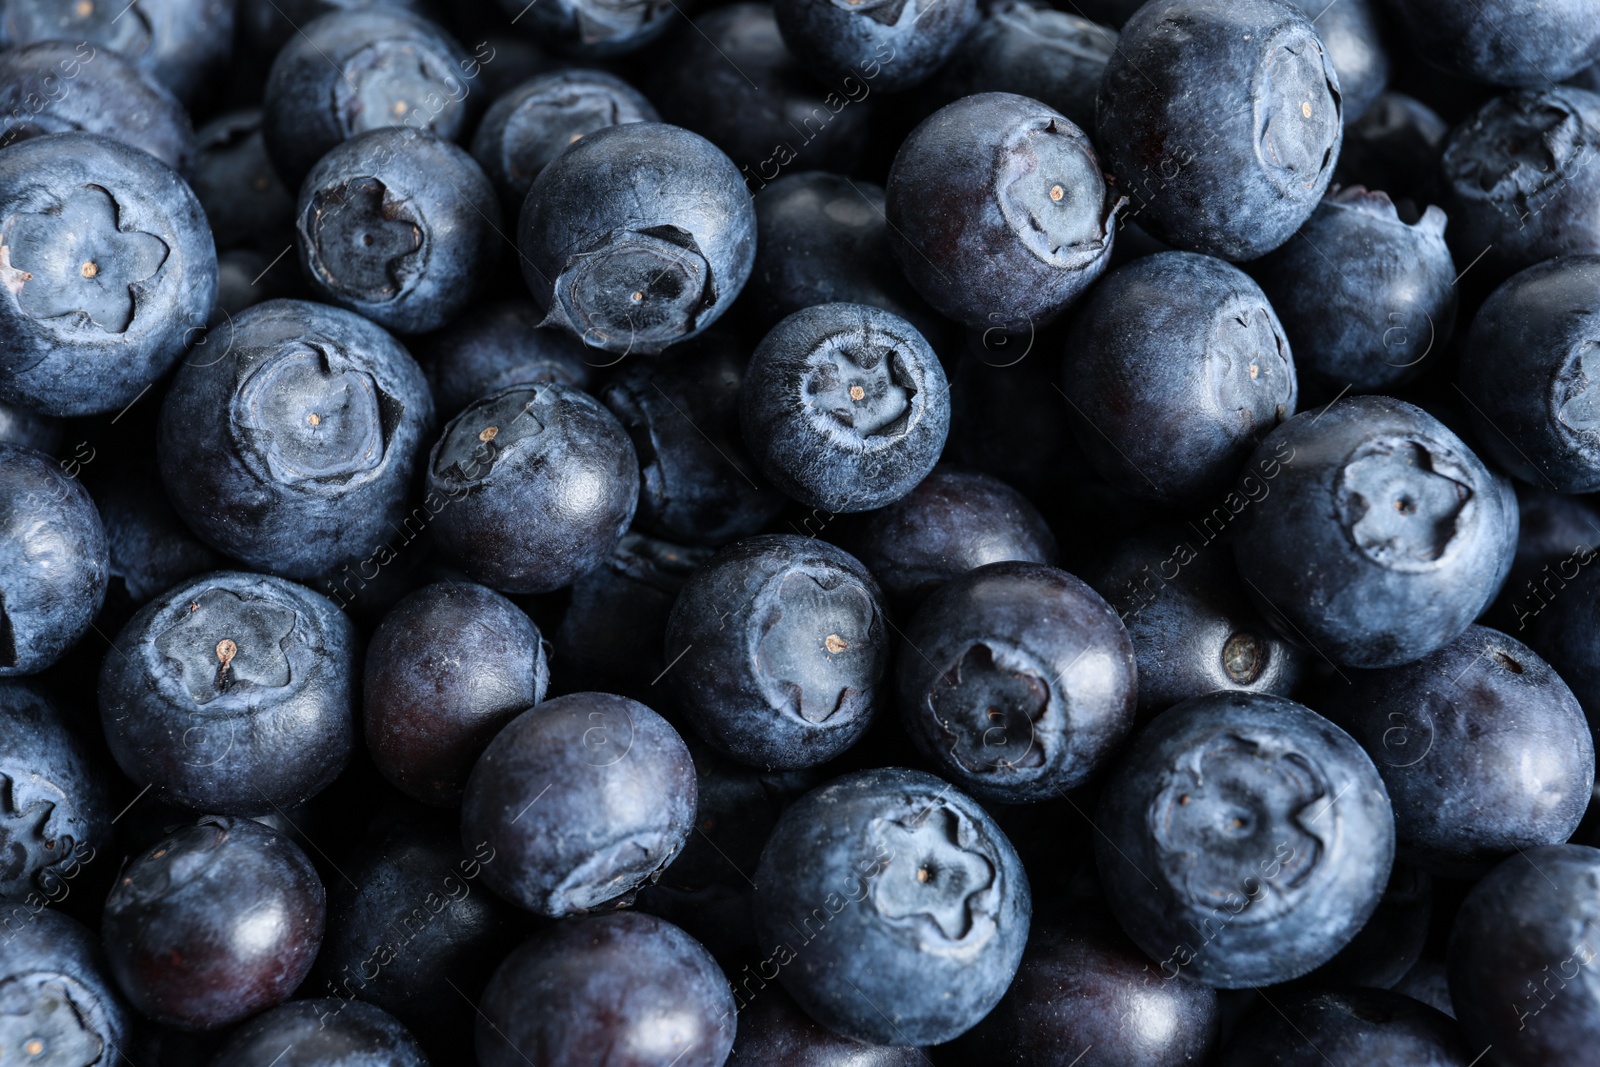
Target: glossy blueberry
{"points": [[1346, 1028], [1354, 37], [698, 486], [778, 649], [893, 907], [909, 39], [637, 237], [182, 44], [150, 550], [774, 1032], [449, 666], [232, 693], [357, 70], [399, 226], [497, 345], [998, 213], [59, 87], [582, 799], [1084, 990], [1017, 681], [1245, 839], [219, 921], [1394, 147], [628, 988], [530, 487], [1176, 368], [1032, 50], [244, 199], [58, 1007], [1501, 42], [1189, 617], [1527, 371], [22, 426], [1412, 534], [527, 127], [57, 814], [774, 115], [290, 441], [109, 272], [953, 521], [844, 407], [1521, 959], [314, 1033], [53, 561], [1517, 180], [1221, 121]]}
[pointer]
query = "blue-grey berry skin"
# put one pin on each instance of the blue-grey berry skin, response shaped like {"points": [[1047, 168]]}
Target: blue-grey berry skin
{"points": [[232, 693], [316, 1033], [637, 237], [58, 991], [109, 272], [1521, 959], [1379, 537], [593, 29], [54, 562], [1528, 368], [1245, 841], [583, 799], [399, 226], [1518, 179], [1354, 1025], [58, 813], [1354, 36], [845, 407], [1565, 630], [1220, 120], [290, 440], [998, 211], [1363, 296], [531, 487], [909, 39], [1018, 681], [1394, 147], [356, 70], [496, 345], [244, 199], [1501, 42], [773, 1030], [1483, 748], [1176, 368], [894, 906], [26, 427], [628, 989], [778, 650]]}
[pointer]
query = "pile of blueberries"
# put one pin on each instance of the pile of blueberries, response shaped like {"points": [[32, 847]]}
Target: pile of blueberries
{"points": [[799, 533]]}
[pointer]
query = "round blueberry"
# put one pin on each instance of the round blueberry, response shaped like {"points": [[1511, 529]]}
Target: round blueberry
{"points": [[22, 426], [495, 346], [60, 1006], [1354, 35], [313, 1033], [1501, 42], [906, 41]]}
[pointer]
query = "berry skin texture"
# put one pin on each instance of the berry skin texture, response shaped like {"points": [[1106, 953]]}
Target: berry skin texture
{"points": [[497, 345], [1501, 42], [313, 1033], [1220, 121], [57, 991], [998, 212], [907, 40]]}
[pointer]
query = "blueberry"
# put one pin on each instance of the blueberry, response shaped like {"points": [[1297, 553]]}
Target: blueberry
{"points": [[1391, 942], [1565, 630], [1176, 368], [637, 237], [1017, 681], [892, 908], [216, 923], [356, 70], [1353, 36], [243, 197], [1346, 1027], [289, 441], [774, 1032], [449, 666], [1519, 957], [268, 25], [1394, 147], [1411, 533], [60, 1007], [1558, 535], [1245, 839], [497, 345], [1501, 42], [232, 693], [109, 275], [150, 550], [844, 407], [399, 226], [630, 988], [1428, 982], [532, 124], [907, 40], [21, 426], [777, 650], [1189, 617], [582, 799], [530, 487], [1221, 120], [998, 212], [593, 28], [94, 92], [312, 1033]]}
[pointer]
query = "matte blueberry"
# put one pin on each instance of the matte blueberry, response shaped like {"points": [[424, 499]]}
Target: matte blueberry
{"points": [[1026, 48], [1354, 36], [1246, 839], [1501, 42], [593, 29], [313, 1033], [22, 426], [268, 25], [1391, 942], [150, 550], [909, 39], [57, 992], [232, 693], [1346, 1028], [496, 345]]}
